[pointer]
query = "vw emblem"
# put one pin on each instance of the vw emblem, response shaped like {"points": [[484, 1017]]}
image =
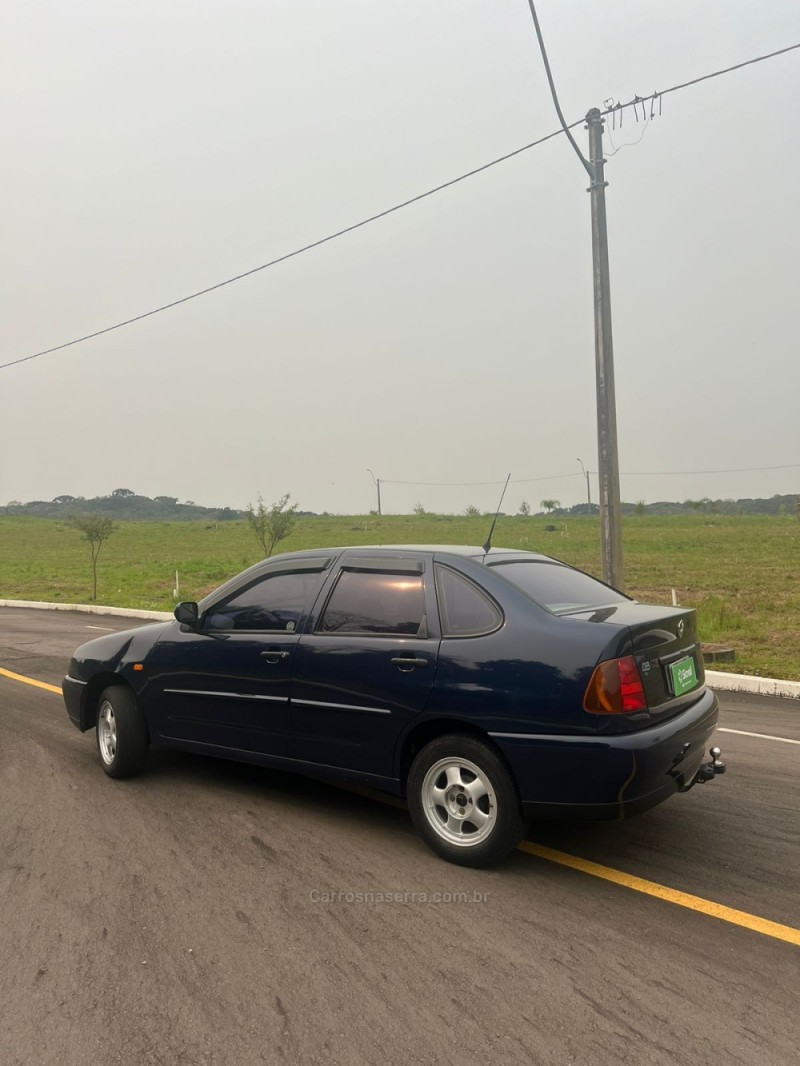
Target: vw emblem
{"points": [[681, 627]]}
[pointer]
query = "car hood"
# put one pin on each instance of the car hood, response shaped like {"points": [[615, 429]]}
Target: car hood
{"points": [[115, 648]]}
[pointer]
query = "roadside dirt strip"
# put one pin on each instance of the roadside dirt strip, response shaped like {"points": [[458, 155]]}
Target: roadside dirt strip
{"points": [[213, 913]]}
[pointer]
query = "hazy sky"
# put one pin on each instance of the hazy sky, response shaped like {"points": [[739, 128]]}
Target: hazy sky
{"points": [[154, 148]]}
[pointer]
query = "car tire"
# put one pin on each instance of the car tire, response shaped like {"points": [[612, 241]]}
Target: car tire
{"points": [[463, 801], [122, 738]]}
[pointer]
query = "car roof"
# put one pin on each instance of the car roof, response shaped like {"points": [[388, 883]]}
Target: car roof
{"points": [[391, 550], [464, 550]]}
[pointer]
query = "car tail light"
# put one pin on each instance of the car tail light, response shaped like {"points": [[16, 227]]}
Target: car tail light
{"points": [[615, 688]]}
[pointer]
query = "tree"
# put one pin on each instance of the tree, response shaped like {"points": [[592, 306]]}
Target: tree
{"points": [[64, 499], [123, 492], [638, 507], [524, 508], [271, 524], [471, 511], [95, 529], [419, 509], [550, 505]]}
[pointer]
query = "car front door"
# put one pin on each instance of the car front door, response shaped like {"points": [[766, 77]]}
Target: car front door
{"points": [[366, 667], [226, 682]]}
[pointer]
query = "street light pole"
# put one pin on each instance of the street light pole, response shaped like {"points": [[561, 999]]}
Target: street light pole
{"points": [[588, 486], [377, 482]]}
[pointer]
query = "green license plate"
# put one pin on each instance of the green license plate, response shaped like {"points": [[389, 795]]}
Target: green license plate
{"points": [[684, 675]]}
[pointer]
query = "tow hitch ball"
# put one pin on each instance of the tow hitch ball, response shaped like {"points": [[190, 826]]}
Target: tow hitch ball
{"points": [[709, 770]]}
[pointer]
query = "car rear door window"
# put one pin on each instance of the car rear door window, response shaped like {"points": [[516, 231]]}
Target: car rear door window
{"points": [[273, 603], [556, 586], [375, 602], [464, 609]]}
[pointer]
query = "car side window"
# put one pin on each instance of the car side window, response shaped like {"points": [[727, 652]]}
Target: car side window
{"points": [[465, 610], [374, 602], [272, 603]]}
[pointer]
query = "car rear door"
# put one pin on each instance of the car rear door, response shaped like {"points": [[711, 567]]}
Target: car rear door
{"points": [[366, 666]]}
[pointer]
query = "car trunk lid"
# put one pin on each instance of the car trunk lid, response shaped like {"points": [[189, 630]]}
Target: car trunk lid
{"points": [[663, 641]]}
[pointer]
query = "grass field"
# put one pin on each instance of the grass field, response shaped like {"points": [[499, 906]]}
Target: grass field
{"points": [[741, 573]]}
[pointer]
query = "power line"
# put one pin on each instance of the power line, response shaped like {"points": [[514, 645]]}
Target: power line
{"points": [[703, 77], [682, 473], [571, 474], [288, 255], [626, 144], [478, 484], [388, 211], [584, 161]]}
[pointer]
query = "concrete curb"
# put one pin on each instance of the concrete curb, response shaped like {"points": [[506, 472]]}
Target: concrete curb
{"points": [[120, 612], [717, 679], [756, 686]]}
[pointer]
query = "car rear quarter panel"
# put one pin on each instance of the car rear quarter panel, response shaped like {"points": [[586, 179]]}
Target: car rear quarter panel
{"points": [[530, 674], [611, 777], [524, 685]]}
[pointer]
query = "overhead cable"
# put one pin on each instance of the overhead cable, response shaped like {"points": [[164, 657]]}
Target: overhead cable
{"points": [[572, 474], [617, 108]]}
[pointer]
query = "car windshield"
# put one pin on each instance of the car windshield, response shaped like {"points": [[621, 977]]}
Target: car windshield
{"points": [[557, 587]]}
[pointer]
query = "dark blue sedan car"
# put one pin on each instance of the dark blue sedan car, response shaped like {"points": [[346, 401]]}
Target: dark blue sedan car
{"points": [[483, 687]]}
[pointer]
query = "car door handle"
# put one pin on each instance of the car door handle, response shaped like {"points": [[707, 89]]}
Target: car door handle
{"points": [[408, 662], [274, 655]]}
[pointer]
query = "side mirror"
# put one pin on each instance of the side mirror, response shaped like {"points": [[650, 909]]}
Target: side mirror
{"points": [[187, 613]]}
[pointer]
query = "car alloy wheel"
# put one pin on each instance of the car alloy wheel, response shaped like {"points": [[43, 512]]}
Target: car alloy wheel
{"points": [[122, 736], [463, 800], [459, 802], [107, 733]]}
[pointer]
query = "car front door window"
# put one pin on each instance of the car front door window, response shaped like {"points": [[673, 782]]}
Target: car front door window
{"points": [[272, 604]]}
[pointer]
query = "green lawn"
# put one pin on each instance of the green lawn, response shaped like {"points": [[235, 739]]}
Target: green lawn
{"points": [[741, 573]]}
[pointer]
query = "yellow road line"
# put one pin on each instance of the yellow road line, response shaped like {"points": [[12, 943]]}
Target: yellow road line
{"points": [[30, 681], [594, 869], [669, 895], [638, 884]]}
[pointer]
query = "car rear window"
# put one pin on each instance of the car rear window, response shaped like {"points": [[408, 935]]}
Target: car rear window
{"points": [[557, 587], [466, 611]]}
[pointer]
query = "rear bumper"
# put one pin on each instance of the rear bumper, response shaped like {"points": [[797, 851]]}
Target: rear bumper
{"points": [[610, 777]]}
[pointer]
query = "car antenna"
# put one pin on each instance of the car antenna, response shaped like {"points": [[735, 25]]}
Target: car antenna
{"points": [[488, 543]]}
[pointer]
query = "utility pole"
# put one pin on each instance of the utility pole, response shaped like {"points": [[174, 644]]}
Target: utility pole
{"points": [[377, 482], [588, 486], [608, 460]]}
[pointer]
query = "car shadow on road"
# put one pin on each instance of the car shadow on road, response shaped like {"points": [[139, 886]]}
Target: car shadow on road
{"points": [[669, 835]]}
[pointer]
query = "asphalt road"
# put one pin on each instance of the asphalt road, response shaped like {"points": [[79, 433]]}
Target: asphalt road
{"points": [[209, 913]]}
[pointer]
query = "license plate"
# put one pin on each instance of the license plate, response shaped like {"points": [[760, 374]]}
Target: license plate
{"points": [[684, 675]]}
